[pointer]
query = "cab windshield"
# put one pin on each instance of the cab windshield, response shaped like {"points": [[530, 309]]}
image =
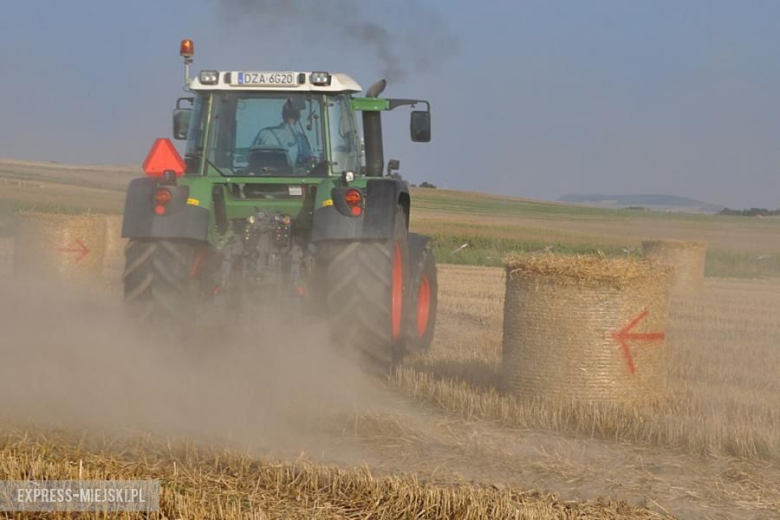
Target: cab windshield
{"points": [[261, 134]]}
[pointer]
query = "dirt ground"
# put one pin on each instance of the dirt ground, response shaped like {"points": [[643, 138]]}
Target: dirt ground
{"points": [[6, 257], [291, 395], [723, 362]]}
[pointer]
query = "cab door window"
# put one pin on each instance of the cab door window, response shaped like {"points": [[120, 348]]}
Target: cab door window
{"points": [[344, 151]]}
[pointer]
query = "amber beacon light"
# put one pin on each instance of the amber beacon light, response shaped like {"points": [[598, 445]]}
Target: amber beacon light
{"points": [[187, 49]]}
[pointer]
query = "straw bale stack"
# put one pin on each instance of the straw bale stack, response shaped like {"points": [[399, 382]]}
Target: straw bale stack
{"points": [[56, 247], [586, 329], [688, 259], [114, 259]]}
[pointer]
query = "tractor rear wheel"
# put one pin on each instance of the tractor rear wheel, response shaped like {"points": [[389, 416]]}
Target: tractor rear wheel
{"points": [[423, 302], [158, 281], [366, 291]]}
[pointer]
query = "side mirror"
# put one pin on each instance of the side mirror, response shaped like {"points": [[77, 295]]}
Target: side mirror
{"points": [[393, 165], [421, 126], [181, 122]]}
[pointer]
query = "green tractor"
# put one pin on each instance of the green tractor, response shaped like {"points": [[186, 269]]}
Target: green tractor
{"points": [[278, 199]]}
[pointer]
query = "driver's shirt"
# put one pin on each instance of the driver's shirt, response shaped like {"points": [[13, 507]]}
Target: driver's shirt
{"points": [[285, 136]]}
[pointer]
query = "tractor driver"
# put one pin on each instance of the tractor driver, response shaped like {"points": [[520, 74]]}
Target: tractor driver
{"points": [[287, 135]]}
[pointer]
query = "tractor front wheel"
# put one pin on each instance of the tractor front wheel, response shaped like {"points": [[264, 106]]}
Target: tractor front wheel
{"points": [[366, 291], [423, 302]]}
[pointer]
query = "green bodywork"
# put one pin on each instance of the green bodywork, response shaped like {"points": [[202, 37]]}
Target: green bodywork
{"points": [[203, 181], [370, 104]]}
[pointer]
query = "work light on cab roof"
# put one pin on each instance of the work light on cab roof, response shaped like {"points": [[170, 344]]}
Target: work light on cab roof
{"points": [[263, 80]]}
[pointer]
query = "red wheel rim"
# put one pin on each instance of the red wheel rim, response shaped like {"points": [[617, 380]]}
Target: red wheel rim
{"points": [[423, 306], [195, 267], [397, 291]]}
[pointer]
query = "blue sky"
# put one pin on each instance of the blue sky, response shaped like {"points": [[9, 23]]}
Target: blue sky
{"points": [[532, 98]]}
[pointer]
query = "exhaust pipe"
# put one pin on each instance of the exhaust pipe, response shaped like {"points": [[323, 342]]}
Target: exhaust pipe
{"points": [[372, 134]]}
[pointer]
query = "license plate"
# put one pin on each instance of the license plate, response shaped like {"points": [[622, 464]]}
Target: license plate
{"points": [[267, 79]]}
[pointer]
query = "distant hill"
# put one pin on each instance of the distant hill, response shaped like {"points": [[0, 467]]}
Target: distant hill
{"points": [[650, 202]]}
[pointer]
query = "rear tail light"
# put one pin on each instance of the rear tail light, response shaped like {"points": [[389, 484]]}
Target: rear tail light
{"points": [[163, 196], [161, 199], [354, 200]]}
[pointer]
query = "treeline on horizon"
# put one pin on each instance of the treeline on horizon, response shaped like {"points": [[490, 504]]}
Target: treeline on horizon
{"points": [[752, 212]]}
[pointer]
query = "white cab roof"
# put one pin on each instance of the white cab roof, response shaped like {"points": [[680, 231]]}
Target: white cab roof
{"points": [[287, 81]]}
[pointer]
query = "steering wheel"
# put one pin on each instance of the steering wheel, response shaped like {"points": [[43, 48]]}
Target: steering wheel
{"points": [[269, 161], [311, 162]]}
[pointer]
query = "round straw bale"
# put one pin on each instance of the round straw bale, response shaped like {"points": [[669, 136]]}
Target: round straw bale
{"points": [[114, 260], [688, 258], [585, 329], [58, 247]]}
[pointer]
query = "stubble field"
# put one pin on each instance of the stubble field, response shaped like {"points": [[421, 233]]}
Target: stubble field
{"points": [[438, 438]]}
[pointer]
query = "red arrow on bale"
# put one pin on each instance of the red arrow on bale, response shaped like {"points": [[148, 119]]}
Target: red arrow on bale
{"points": [[624, 336], [80, 248]]}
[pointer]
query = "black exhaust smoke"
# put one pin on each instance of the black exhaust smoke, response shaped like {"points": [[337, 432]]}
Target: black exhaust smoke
{"points": [[411, 44]]}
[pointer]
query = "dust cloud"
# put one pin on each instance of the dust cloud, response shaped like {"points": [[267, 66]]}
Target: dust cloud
{"points": [[415, 45], [72, 360]]}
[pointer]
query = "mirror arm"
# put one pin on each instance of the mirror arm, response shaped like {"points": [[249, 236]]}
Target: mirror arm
{"points": [[190, 100], [395, 103]]}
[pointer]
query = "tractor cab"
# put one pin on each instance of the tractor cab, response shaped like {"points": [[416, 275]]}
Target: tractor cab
{"points": [[283, 123], [269, 124]]}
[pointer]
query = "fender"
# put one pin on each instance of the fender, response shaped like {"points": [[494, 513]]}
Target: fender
{"points": [[417, 244], [183, 221], [382, 197]]}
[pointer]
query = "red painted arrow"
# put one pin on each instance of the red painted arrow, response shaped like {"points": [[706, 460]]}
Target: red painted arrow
{"points": [[81, 250], [624, 335]]}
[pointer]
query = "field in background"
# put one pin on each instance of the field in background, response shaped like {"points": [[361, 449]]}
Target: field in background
{"points": [[56, 188], [495, 226]]}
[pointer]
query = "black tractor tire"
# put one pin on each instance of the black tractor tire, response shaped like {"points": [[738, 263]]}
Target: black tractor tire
{"points": [[158, 286], [366, 286], [423, 303]]}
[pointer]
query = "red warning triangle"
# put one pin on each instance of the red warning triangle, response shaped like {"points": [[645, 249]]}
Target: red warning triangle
{"points": [[163, 156]]}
